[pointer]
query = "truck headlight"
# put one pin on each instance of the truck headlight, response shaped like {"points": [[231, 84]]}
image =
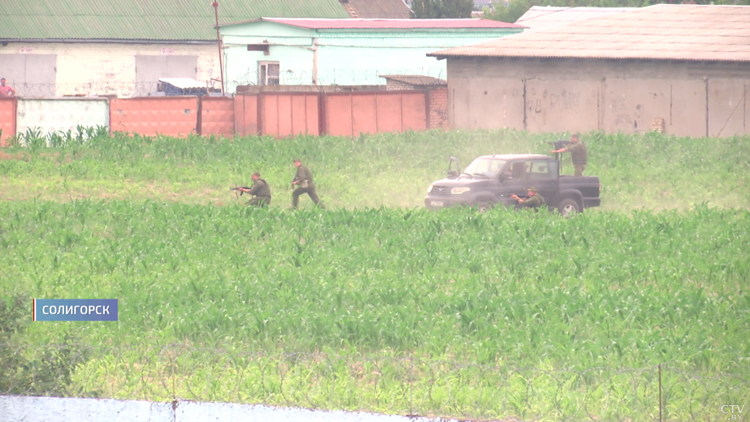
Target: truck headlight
{"points": [[459, 191], [429, 189]]}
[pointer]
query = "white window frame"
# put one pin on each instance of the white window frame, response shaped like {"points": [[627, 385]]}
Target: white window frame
{"points": [[263, 75]]}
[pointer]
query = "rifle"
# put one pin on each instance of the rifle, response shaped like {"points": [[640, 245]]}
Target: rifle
{"points": [[239, 188], [560, 144], [293, 181]]}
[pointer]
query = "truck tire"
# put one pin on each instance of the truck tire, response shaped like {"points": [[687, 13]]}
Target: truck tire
{"points": [[485, 206], [568, 207]]}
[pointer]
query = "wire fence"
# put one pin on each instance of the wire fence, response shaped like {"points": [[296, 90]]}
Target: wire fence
{"points": [[331, 76], [94, 89], [394, 384], [127, 89]]}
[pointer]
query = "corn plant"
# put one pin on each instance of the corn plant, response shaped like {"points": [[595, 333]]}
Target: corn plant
{"points": [[452, 313]]}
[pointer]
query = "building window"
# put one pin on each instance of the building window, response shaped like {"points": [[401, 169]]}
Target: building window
{"points": [[268, 73]]}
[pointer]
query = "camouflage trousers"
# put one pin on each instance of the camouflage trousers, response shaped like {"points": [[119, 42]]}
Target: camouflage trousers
{"points": [[259, 201], [579, 168], [310, 190]]}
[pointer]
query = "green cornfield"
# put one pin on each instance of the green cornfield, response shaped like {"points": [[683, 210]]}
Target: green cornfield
{"points": [[377, 304]]}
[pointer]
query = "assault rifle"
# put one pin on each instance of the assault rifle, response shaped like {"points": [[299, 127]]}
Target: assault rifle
{"points": [[240, 189], [293, 181], [562, 143]]}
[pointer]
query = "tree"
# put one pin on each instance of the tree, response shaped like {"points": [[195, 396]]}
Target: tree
{"points": [[38, 370], [442, 9]]}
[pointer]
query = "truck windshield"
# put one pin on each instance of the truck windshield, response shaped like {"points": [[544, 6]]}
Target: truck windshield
{"points": [[488, 167]]}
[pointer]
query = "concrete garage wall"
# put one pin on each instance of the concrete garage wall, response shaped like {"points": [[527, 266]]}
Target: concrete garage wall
{"points": [[52, 409], [729, 103], [557, 106], [485, 103], [558, 95]]}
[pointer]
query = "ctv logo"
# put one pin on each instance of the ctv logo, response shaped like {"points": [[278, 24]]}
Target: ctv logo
{"points": [[733, 411]]}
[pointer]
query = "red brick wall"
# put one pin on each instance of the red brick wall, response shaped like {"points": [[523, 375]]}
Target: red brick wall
{"points": [[437, 102], [392, 85]]}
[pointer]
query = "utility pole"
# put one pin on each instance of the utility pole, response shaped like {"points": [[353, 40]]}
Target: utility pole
{"points": [[215, 4]]}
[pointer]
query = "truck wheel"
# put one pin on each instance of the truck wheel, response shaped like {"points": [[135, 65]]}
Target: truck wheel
{"points": [[568, 207], [485, 206]]}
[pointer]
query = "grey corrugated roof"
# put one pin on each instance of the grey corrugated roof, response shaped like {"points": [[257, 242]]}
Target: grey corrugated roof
{"points": [[144, 20], [542, 17], [661, 32], [418, 80]]}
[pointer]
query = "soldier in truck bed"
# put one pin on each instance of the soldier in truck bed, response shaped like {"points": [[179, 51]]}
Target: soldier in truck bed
{"points": [[305, 184], [578, 154]]}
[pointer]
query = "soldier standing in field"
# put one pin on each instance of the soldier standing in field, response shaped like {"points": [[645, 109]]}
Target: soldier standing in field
{"points": [[533, 200], [578, 154], [260, 190], [304, 182]]}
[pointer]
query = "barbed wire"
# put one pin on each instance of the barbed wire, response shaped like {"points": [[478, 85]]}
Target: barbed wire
{"points": [[123, 89], [398, 384], [91, 89], [333, 76]]}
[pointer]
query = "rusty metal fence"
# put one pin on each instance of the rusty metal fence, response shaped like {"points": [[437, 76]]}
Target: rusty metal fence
{"points": [[7, 119], [277, 114], [392, 383]]}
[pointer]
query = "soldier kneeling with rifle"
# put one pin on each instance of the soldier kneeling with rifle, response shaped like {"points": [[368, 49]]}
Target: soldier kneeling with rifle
{"points": [[260, 190], [533, 200]]}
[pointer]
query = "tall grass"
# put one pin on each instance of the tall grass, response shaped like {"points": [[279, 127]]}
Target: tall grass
{"points": [[652, 170], [528, 288], [451, 313]]}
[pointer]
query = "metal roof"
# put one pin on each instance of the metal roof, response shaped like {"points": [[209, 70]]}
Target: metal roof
{"points": [[661, 32], [541, 17], [183, 83], [418, 80], [380, 9], [388, 23], [143, 20]]}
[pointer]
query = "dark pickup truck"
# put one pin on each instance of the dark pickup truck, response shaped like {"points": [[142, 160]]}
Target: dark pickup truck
{"points": [[490, 180]]}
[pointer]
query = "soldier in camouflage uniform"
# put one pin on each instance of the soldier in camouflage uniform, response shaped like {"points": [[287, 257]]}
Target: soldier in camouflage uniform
{"points": [[304, 182], [260, 190], [533, 200], [578, 154]]}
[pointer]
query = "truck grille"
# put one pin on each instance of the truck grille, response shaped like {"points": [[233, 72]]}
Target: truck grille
{"points": [[441, 190]]}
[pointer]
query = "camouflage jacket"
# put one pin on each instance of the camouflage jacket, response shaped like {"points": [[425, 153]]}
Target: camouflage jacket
{"points": [[578, 152], [304, 177], [535, 201], [260, 189]]}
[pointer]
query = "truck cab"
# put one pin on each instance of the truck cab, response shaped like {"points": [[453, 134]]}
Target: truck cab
{"points": [[490, 180]]}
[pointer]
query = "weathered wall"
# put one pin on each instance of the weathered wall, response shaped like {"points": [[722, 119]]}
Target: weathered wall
{"points": [[172, 116], [53, 115], [278, 114], [246, 115], [283, 115], [560, 95], [376, 112], [342, 57], [437, 103], [217, 116], [102, 68], [53, 409]]}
